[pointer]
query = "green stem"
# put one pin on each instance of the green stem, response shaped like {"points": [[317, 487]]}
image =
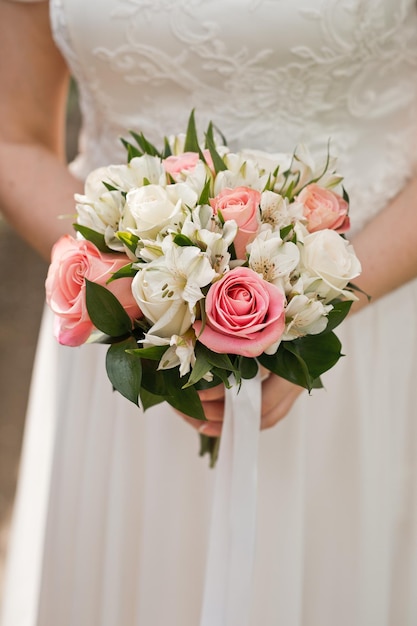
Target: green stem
{"points": [[210, 446]]}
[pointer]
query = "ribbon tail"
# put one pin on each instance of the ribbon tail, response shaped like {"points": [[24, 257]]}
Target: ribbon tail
{"points": [[227, 593]]}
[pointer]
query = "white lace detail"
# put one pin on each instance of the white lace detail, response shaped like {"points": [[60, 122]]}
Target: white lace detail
{"points": [[341, 70]]}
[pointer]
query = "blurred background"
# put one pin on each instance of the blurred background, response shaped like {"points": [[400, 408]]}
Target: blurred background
{"points": [[21, 302]]}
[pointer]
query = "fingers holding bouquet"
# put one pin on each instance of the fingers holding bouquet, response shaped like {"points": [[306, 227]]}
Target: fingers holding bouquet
{"points": [[278, 396]]}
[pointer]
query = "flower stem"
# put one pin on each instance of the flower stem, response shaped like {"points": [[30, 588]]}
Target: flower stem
{"points": [[210, 446]]}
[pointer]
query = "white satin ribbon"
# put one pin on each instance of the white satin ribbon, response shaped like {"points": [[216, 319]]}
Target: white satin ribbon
{"points": [[227, 593]]}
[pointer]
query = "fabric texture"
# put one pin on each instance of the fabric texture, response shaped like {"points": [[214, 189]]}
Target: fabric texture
{"points": [[119, 501]]}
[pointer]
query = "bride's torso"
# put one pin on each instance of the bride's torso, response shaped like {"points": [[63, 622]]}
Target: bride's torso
{"points": [[269, 73]]}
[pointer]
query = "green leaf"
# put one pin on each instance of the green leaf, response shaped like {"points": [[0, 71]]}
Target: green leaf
{"points": [[187, 401], [105, 311], [206, 384], [304, 360], [127, 271], [124, 370], [160, 382], [183, 240], [200, 369], [337, 314], [288, 365], [148, 399], [320, 352], [153, 353], [109, 187], [93, 236], [345, 195], [224, 376], [167, 149], [146, 146], [248, 367], [218, 163], [222, 361], [354, 287], [168, 384], [290, 189], [132, 151], [285, 231], [205, 194], [191, 138], [222, 137]]}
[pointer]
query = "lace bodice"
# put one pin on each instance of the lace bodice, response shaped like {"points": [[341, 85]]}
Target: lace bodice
{"points": [[269, 73]]}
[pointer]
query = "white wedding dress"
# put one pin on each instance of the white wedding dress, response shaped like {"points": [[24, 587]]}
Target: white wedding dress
{"points": [[113, 507]]}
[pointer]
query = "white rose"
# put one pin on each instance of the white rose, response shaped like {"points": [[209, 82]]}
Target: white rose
{"points": [[329, 264], [149, 210]]}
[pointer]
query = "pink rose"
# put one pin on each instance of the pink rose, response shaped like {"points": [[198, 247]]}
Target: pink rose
{"points": [[241, 205], [324, 209], [245, 314], [185, 162], [73, 260]]}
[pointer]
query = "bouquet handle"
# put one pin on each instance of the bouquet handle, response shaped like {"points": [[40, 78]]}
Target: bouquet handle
{"points": [[227, 592]]}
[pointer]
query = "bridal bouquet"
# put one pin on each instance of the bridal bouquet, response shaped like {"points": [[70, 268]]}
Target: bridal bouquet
{"points": [[198, 265]]}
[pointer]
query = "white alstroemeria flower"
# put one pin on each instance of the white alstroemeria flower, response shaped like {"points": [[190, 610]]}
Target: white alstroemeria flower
{"points": [[101, 211], [278, 212], [216, 248], [168, 289], [138, 172], [309, 169], [197, 178], [150, 210], [180, 353], [305, 316], [273, 258], [177, 143], [94, 186], [268, 163], [201, 223], [203, 217], [199, 218], [184, 193], [241, 172]]}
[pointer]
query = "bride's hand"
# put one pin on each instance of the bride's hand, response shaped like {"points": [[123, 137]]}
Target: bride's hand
{"points": [[278, 396]]}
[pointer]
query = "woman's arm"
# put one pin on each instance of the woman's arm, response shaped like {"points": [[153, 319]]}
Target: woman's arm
{"points": [[35, 185], [387, 248]]}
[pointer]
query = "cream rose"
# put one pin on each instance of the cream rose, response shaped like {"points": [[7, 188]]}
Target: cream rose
{"points": [[149, 210], [329, 264]]}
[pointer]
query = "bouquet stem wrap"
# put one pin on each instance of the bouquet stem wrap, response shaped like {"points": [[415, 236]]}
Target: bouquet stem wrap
{"points": [[227, 593]]}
